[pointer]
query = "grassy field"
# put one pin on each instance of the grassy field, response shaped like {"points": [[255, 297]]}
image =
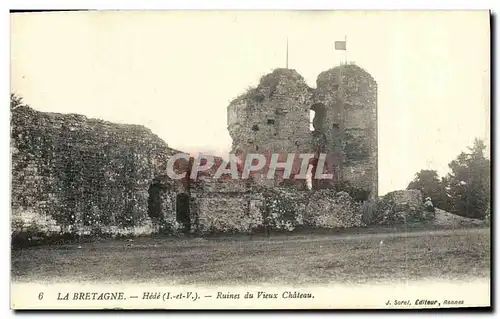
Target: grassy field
{"points": [[293, 259]]}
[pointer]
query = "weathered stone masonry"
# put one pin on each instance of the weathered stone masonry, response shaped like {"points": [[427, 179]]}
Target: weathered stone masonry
{"points": [[87, 175], [83, 172], [79, 175], [274, 117]]}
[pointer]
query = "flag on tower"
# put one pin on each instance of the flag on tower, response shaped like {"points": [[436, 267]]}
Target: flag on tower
{"points": [[341, 45]]}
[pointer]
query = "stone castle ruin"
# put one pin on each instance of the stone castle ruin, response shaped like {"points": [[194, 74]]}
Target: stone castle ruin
{"points": [[71, 174], [275, 117]]}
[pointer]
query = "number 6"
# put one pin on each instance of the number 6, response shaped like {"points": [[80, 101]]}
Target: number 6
{"points": [[40, 296]]}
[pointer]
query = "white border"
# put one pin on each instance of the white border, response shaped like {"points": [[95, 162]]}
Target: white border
{"points": [[182, 4], [254, 4]]}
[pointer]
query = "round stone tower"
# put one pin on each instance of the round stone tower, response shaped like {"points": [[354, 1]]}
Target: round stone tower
{"points": [[350, 126], [273, 117]]}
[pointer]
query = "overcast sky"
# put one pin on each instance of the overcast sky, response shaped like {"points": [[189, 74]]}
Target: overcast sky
{"points": [[175, 72]]}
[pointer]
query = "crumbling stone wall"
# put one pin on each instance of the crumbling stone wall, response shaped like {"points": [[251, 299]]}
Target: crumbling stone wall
{"points": [[83, 173], [225, 206], [284, 208], [329, 209], [274, 117], [163, 200], [411, 197], [75, 174]]}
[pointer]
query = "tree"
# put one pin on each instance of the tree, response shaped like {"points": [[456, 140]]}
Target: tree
{"points": [[15, 101], [469, 182], [431, 186]]}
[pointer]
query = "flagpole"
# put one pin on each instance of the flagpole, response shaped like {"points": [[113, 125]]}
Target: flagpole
{"points": [[345, 41], [287, 52]]}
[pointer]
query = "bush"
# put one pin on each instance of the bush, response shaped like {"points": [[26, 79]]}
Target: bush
{"points": [[391, 210], [386, 214], [420, 215], [358, 194], [281, 212]]}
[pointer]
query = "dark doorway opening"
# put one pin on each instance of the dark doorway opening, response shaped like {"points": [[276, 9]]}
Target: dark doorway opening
{"points": [[182, 211], [154, 201]]}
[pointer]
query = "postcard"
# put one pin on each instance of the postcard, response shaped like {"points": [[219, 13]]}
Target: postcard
{"points": [[250, 160]]}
